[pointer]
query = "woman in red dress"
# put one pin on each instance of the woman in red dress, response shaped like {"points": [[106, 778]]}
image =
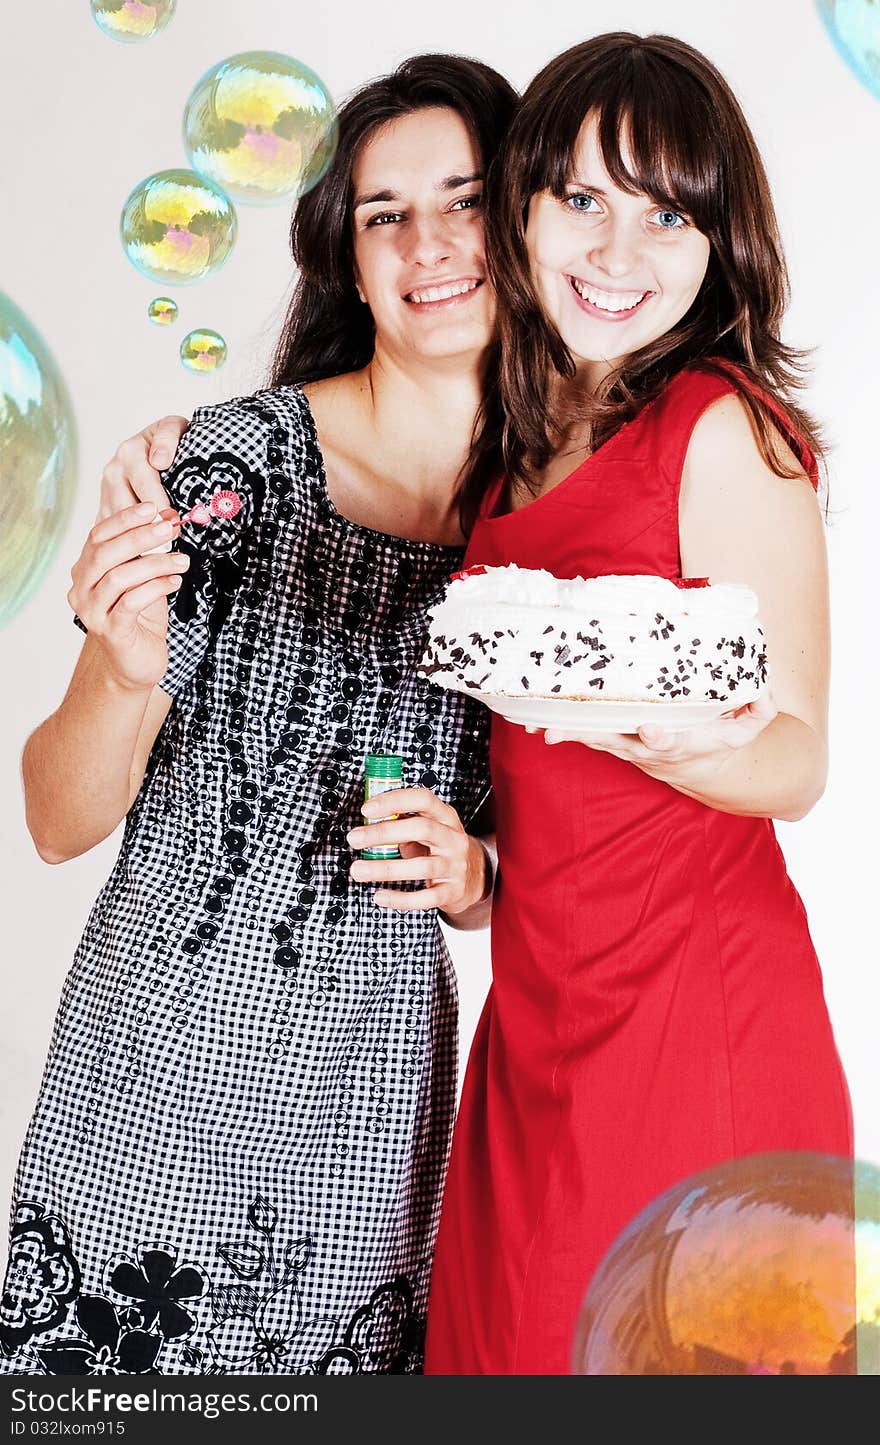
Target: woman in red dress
{"points": [[657, 1005]]}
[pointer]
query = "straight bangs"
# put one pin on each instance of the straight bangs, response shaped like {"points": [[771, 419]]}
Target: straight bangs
{"points": [[655, 131]]}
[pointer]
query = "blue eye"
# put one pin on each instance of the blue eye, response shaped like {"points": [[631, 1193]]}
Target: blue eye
{"points": [[669, 220], [574, 202]]}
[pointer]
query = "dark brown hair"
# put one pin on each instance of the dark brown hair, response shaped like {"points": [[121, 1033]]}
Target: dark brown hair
{"points": [[690, 148], [328, 330]]}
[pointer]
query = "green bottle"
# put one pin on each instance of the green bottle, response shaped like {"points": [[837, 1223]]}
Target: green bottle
{"points": [[383, 772]]}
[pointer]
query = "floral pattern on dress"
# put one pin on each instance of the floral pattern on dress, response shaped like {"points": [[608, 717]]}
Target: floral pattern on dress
{"points": [[253, 1326], [154, 1307], [109, 1349], [59, 1330], [386, 1336], [219, 499], [42, 1276], [157, 1286]]}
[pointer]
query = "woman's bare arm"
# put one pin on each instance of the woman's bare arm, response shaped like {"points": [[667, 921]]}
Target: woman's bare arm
{"points": [[740, 522], [481, 832], [81, 767]]}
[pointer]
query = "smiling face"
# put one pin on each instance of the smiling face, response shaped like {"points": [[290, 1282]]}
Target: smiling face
{"points": [[418, 238], [614, 271]]}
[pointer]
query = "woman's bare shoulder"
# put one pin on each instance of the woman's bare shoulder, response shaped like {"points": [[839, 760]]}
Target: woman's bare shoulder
{"points": [[336, 404], [331, 393], [724, 441]]}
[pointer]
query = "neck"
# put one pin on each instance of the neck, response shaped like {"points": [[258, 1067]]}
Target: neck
{"points": [[428, 408], [589, 375], [568, 396]]}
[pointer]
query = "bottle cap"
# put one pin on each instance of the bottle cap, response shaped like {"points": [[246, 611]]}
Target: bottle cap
{"points": [[387, 766]]}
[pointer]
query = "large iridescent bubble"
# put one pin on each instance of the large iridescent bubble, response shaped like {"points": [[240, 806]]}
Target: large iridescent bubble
{"points": [[132, 19], [765, 1265], [38, 458], [854, 26], [262, 125], [177, 227]]}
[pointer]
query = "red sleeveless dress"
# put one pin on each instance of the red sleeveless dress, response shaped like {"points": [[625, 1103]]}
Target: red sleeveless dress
{"points": [[656, 1005]]}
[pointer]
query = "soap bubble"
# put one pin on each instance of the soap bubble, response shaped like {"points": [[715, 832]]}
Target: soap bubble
{"points": [[261, 125], [854, 26], [177, 227], [203, 350], [765, 1265], [162, 310], [38, 458], [131, 19]]}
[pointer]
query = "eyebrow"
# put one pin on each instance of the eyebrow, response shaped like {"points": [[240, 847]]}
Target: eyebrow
{"points": [[449, 183]]}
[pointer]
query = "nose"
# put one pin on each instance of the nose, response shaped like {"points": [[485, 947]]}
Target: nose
{"points": [[615, 247], [429, 242]]}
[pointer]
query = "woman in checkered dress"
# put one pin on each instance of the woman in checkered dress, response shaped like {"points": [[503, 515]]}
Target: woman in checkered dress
{"points": [[236, 1156]]}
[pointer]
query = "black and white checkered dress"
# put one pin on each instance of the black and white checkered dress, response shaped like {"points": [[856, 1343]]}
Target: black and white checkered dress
{"points": [[236, 1156]]}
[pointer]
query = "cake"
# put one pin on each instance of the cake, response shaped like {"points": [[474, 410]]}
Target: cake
{"points": [[519, 632]]}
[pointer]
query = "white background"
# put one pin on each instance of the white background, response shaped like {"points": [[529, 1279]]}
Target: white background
{"points": [[83, 118]]}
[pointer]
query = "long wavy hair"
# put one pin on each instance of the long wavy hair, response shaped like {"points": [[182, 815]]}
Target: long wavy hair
{"points": [[328, 330], [690, 148]]}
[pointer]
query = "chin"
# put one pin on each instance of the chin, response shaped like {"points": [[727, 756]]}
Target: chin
{"points": [[591, 352], [470, 341]]}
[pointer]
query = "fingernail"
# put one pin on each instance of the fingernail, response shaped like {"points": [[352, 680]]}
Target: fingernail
{"points": [[162, 529], [146, 509], [159, 459]]}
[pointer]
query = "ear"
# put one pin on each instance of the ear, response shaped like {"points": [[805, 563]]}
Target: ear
{"points": [[359, 288]]}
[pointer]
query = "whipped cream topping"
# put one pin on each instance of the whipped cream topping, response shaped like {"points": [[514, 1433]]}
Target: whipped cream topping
{"points": [[524, 632]]}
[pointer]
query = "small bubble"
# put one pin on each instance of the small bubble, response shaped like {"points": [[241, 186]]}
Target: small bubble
{"points": [[162, 311], [203, 350]]}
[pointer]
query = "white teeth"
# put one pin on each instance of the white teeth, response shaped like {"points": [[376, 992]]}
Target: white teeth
{"points": [[443, 293], [609, 300]]}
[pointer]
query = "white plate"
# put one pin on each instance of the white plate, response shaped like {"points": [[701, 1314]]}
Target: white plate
{"points": [[596, 715]]}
